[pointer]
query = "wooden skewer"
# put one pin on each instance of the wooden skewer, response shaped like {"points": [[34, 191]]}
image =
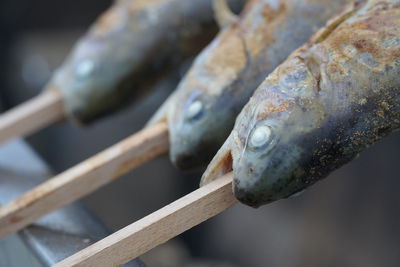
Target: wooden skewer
{"points": [[157, 228], [31, 116], [84, 178]]}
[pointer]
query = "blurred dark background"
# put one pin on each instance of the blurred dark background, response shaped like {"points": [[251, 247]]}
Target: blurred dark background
{"points": [[350, 219]]}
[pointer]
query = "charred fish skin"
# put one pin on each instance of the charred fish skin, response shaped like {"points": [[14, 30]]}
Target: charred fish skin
{"points": [[127, 50], [329, 101], [226, 73]]}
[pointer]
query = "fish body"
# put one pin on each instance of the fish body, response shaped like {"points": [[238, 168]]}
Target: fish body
{"points": [[129, 48], [202, 111], [330, 100]]}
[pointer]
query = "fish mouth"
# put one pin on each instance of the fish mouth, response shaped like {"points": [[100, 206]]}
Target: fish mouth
{"points": [[190, 157], [245, 196], [193, 150], [189, 161], [221, 164]]}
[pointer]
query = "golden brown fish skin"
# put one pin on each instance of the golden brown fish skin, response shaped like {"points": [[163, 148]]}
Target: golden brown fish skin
{"points": [[227, 72], [127, 50], [329, 101]]}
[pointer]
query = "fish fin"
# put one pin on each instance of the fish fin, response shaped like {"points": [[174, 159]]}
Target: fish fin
{"points": [[335, 21], [220, 165], [223, 14]]}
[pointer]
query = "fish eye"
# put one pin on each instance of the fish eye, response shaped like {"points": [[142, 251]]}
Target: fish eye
{"points": [[85, 68], [194, 110], [260, 136]]}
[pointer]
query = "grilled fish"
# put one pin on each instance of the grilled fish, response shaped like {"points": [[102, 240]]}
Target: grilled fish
{"points": [[202, 111], [126, 51], [330, 100]]}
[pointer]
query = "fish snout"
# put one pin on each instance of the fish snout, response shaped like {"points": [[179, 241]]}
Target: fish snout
{"points": [[260, 179], [244, 196], [188, 154], [183, 161], [250, 185], [255, 189]]}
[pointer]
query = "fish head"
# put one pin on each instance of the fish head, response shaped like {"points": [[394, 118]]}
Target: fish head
{"points": [[198, 125], [265, 150], [90, 81], [206, 106]]}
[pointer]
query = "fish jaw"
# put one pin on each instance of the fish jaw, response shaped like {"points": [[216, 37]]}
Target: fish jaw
{"points": [[220, 165], [255, 185], [195, 157], [249, 184]]}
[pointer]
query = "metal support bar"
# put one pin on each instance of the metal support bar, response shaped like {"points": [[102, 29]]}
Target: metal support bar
{"points": [[56, 236]]}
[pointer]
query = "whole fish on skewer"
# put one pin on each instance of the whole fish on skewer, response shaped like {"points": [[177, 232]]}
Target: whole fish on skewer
{"points": [[128, 48], [330, 100], [202, 111]]}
